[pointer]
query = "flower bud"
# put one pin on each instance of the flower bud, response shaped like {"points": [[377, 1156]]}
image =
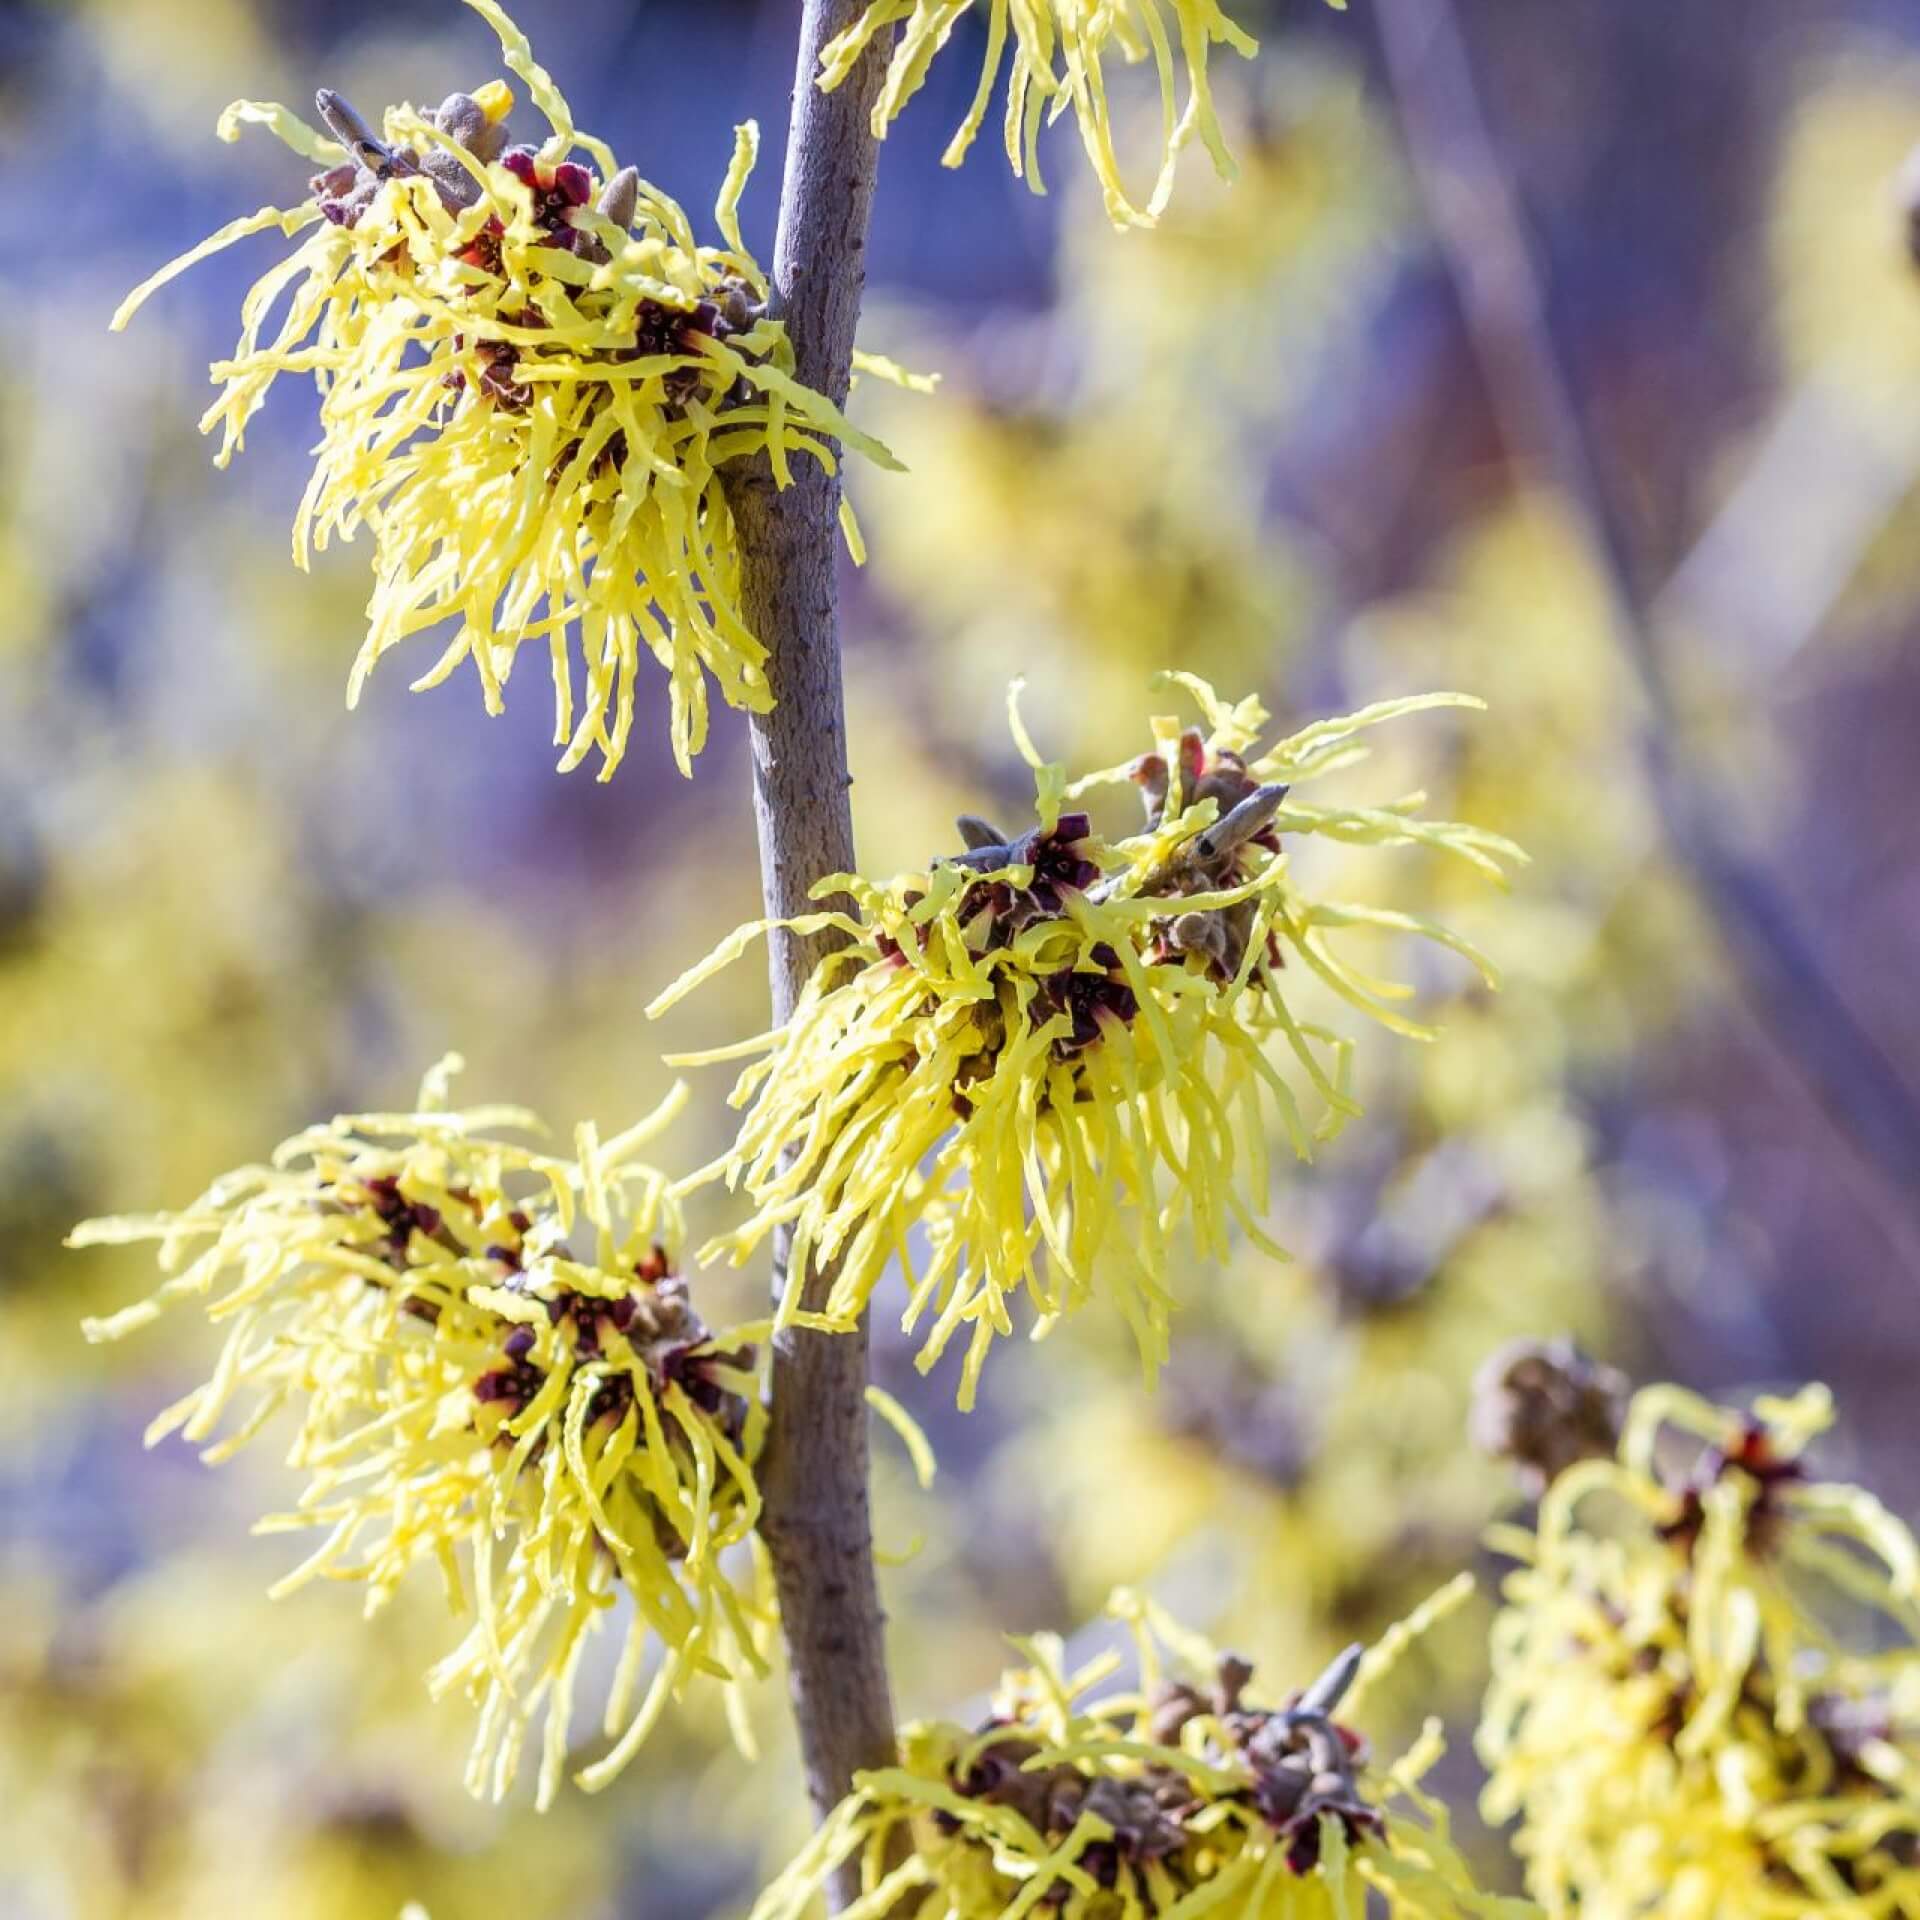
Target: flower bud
{"points": [[1543, 1405]]}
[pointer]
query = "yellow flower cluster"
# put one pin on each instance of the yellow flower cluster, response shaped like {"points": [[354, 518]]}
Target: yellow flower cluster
{"points": [[1169, 1800], [1706, 1692], [1029, 1064], [467, 1383], [1059, 53], [531, 375]]}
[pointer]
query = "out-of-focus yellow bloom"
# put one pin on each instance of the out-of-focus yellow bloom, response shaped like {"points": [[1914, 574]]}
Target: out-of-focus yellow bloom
{"points": [[1706, 1695], [164, 1750], [1304, 1447], [1046, 1052], [466, 1382], [1842, 282], [1059, 54], [153, 1003], [531, 374], [1174, 1798], [1043, 471]]}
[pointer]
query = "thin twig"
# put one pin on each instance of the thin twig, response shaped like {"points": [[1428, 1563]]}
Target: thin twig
{"points": [[814, 1475], [1481, 233]]}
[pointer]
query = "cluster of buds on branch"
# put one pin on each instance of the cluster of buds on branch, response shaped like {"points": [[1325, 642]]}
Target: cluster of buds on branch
{"points": [[1218, 859], [1175, 1795], [473, 123]]}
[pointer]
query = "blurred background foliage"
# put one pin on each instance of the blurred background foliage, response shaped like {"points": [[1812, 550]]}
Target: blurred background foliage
{"points": [[1257, 444]]}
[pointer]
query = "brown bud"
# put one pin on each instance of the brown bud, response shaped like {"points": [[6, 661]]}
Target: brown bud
{"points": [[1332, 1687], [461, 118], [1233, 1677], [1252, 815], [1199, 933], [457, 187], [738, 304], [976, 832], [335, 182], [343, 121], [1170, 1710], [1907, 196], [1149, 774], [620, 198], [1543, 1404]]}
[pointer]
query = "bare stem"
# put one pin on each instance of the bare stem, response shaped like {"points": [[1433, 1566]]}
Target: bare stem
{"points": [[814, 1475], [1482, 235]]}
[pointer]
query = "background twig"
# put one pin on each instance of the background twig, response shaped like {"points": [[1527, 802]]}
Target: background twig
{"points": [[1481, 233]]}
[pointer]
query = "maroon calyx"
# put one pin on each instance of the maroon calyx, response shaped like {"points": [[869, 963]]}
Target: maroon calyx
{"points": [[499, 361], [1300, 1767], [556, 189], [892, 953], [1753, 1452], [402, 1217], [1146, 1814], [1058, 864], [514, 1383], [1217, 775], [651, 1329], [1089, 999]]}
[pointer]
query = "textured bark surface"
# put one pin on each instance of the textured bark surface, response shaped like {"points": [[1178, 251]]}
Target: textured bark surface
{"points": [[814, 1474]]}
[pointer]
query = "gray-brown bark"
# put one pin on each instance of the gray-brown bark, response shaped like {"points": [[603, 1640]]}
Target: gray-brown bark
{"points": [[814, 1475]]}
